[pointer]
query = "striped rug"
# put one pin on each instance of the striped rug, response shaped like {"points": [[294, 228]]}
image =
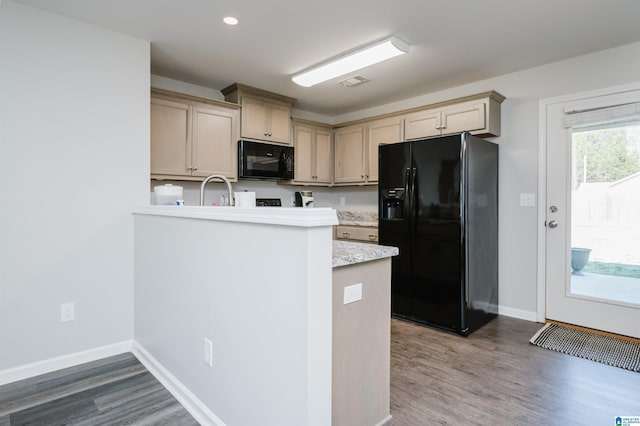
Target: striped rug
{"points": [[605, 349]]}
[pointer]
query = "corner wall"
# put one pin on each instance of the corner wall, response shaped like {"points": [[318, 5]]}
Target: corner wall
{"points": [[74, 163]]}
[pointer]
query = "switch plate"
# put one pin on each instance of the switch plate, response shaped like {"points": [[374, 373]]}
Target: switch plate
{"points": [[352, 293], [67, 312], [207, 352], [527, 200]]}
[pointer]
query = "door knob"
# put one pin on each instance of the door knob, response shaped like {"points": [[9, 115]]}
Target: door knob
{"points": [[553, 224]]}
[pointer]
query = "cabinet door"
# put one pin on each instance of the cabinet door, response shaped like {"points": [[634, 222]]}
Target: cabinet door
{"points": [[349, 158], [324, 156], [253, 118], [303, 153], [170, 148], [213, 150], [464, 117], [279, 123], [380, 131], [422, 124]]}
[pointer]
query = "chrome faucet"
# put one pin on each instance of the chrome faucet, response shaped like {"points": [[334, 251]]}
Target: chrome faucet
{"points": [[210, 178]]}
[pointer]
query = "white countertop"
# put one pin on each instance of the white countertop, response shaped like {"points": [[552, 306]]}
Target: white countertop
{"points": [[288, 216], [350, 253]]}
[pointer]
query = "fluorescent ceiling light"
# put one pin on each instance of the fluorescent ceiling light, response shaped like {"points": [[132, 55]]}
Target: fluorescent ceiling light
{"points": [[352, 61]]}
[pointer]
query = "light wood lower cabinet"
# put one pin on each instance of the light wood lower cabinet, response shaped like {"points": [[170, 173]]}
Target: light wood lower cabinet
{"points": [[357, 233], [190, 139]]}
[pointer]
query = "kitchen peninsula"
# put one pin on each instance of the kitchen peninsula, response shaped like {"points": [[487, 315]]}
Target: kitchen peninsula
{"points": [[257, 283]]}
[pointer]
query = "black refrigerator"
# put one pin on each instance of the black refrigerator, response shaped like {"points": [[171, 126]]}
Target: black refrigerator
{"points": [[438, 203]]}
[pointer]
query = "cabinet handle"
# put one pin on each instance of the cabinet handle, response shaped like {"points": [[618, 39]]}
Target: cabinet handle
{"points": [[346, 234], [189, 168], [266, 133], [270, 134], [195, 168], [373, 237]]}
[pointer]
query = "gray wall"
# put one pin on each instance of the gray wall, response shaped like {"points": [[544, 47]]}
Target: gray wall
{"points": [[74, 153]]}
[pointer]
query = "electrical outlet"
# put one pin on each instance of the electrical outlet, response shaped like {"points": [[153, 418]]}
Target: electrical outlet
{"points": [[207, 353], [527, 200], [67, 312], [343, 201], [352, 293]]}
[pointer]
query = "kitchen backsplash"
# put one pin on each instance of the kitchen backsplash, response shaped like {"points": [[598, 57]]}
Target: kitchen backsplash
{"points": [[362, 198]]}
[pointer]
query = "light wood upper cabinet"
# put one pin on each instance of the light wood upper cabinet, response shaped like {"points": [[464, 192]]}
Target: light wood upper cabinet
{"points": [[387, 130], [479, 116], [170, 137], [191, 138], [214, 150], [349, 154], [313, 154], [265, 116]]}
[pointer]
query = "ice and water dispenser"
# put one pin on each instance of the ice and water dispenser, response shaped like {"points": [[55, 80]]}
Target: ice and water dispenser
{"points": [[392, 204]]}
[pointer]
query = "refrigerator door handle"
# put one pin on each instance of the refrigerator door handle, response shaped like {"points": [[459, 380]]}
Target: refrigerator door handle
{"points": [[407, 197], [412, 195]]}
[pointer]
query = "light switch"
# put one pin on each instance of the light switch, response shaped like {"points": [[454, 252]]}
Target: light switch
{"points": [[352, 293], [527, 200]]}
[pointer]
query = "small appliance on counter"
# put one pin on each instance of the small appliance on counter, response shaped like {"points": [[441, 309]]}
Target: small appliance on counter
{"points": [[167, 194], [268, 202], [304, 199]]}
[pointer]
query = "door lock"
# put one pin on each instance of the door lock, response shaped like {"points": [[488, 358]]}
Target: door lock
{"points": [[553, 209], [553, 224]]}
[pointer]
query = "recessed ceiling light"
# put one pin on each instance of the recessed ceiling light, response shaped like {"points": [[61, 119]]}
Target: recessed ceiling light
{"points": [[230, 20]]}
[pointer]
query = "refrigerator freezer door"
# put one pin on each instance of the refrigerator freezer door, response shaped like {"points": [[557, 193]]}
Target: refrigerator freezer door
{"points": [[394, 220]]}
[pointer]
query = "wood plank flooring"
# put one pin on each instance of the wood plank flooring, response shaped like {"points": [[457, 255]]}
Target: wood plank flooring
{"points": [[495, 377], [113, 391]]}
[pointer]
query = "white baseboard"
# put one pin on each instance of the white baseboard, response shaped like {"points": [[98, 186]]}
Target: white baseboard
{"points": [[48, 365], [517, 313], [385, 420], [189, 401]]}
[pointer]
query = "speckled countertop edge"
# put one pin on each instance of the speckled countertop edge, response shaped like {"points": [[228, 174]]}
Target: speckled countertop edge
{"points": [[350, 253], [357, 218]]}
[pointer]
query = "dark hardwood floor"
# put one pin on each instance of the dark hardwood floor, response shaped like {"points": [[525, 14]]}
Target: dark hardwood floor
{"points": [[113, 391], [495, 377]]}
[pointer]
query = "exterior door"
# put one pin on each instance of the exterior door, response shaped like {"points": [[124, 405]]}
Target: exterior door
{"points": [[592, 225]]}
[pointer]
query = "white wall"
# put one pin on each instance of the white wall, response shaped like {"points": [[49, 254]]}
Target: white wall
{"points": [[74, 132]]}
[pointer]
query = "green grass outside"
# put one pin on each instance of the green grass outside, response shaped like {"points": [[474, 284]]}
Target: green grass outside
{"points": [[617, 269]]}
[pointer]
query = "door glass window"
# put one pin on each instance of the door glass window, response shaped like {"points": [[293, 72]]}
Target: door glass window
{"points": [[605, 213]]}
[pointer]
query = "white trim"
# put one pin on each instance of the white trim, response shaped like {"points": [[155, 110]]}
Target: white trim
{"points": [[517, 313], [189, 401], [71, 360], [542, 170], [289, 216], [542, 212], [385, 420]]}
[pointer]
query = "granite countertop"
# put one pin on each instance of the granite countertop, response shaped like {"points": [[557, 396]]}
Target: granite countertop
{"points": [[357, 218], [349, 253]]}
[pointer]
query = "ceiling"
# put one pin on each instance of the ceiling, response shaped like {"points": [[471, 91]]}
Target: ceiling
{"points": [[453, 42]]}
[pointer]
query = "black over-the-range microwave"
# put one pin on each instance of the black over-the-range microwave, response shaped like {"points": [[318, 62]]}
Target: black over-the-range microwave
{"points": [[260, 160]]}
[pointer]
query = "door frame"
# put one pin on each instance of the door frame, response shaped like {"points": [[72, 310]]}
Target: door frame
{"points": [[586, 96]]}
